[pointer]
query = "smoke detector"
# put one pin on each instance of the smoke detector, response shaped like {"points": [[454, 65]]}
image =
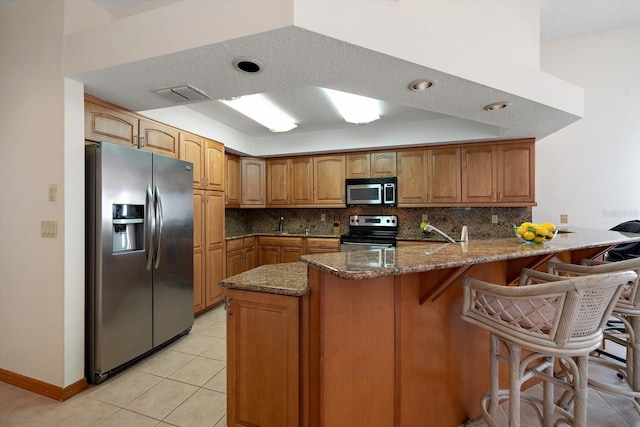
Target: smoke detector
{"points": [[183, 93]]}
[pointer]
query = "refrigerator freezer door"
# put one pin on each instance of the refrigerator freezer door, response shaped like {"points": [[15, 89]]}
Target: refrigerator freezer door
{"points": [[119, 291], [173, 263]]}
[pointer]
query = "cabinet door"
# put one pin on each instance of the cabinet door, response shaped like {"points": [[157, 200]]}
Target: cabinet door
{"points": [[253, 185], [290, 254], [383, 164], [250, 258], [103, 123], [443, 175], [214, 165], [235, 262], [358, 165], [278, 184], [268, 255], [215, 256], [192, 149], [301, 181], [158, 138], [412, 170], [479, 174], [232, 180], [328, 180], [198, 251], [263, 360], [516, 173]]}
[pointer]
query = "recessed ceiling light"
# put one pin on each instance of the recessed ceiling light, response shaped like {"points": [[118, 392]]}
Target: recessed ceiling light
{"points": [[420, 85], [247, 65], [497, 106]]}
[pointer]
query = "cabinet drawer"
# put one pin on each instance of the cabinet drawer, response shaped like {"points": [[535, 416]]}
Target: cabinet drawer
{"points": [[279, 241], [323, 243], [249, 242], [234, 245]]}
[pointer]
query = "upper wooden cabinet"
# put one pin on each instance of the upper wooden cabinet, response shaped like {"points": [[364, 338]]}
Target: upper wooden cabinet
{"points": [[207, 158], [232, 182], [429, 177], [158, 138], [516, 172], [290, 181], [107, 122], [252, 182], [502, 174], [328, 181], [371, 165]]}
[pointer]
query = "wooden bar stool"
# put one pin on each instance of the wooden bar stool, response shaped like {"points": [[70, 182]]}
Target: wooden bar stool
{"points": [[627, 312], [530, 325]]}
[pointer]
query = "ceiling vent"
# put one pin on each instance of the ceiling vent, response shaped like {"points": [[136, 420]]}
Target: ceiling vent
{"points": [[184, 93]]}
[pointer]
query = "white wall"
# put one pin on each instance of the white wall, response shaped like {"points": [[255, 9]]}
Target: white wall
{"points": [[590, 170], [35, 339]]}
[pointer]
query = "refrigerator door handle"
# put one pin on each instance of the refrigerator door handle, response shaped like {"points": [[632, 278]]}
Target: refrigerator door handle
{"points": [[150, 214], [160, 222]]}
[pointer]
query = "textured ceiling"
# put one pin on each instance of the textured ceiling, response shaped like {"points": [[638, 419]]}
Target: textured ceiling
{"points": [[296, 62]]}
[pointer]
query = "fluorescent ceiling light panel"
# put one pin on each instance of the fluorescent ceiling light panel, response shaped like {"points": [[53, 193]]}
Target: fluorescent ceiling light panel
{"points": [[355, 108], [260, 109]]}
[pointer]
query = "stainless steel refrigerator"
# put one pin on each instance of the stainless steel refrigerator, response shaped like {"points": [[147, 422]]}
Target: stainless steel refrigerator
{"points": [[139, 262]]}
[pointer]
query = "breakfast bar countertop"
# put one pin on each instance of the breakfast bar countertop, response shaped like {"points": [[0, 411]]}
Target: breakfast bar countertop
{"points": [[283, 279], [359, 265]]}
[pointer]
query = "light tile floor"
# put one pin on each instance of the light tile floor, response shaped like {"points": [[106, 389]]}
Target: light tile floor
{"points": [[185, 385]]}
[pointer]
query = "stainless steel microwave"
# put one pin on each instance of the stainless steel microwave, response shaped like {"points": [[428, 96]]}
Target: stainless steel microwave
{"points": [[372, 191]]}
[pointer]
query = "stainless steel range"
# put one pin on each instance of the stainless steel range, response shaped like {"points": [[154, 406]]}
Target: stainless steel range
{"points": [[370, 232]]}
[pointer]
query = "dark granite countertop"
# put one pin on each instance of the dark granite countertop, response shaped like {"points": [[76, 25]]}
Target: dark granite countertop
{"points": [[233, 236], [360, 265], [283, 279]]}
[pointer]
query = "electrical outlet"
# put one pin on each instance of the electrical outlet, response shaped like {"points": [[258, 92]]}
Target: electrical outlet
{"points": [[494, 219], [564, 218], [49, 229], [425, 217], [323, 217]]}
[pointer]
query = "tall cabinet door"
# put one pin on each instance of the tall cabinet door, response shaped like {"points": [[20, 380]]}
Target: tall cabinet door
{"points": [[516, 172], [214, 165], [328, 180], [198, 251], [278, 183], [443, 175], [232, 180], [215, 255], [301, 181], [253, 182], [192, 149], [412, 170]]}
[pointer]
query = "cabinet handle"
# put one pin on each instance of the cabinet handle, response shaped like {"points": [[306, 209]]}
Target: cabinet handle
{"points": [[134, 141], [227, 305], [141, 141]]}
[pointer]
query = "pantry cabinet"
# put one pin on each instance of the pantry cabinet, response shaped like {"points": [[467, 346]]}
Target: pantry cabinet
{"points": [[240, 255], [207, 158], [110, 123], [263, 359], [290, 181], [208, 248], [328, 181]]}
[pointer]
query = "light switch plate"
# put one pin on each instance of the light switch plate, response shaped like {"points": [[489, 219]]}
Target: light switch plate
{"points": [[53, 190], [49, 229]]}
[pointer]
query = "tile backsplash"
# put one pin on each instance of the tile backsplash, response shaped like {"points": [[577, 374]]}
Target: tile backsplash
{"points": [[450, 220]]}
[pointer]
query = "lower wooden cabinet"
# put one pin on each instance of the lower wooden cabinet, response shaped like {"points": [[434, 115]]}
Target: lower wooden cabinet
{"points": [[263, 359], [240, 255], [321, 245], [274, 250], [208, 251]]}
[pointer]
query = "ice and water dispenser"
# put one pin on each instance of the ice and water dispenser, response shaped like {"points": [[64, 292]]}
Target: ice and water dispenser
{"points": [[128, 228]]}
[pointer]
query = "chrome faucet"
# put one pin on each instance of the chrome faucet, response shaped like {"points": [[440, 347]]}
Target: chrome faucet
{"points": [[431, 228], [281, 226]]}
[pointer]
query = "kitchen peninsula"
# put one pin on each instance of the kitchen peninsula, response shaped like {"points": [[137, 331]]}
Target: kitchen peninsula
{"points": [[373, 337]]}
